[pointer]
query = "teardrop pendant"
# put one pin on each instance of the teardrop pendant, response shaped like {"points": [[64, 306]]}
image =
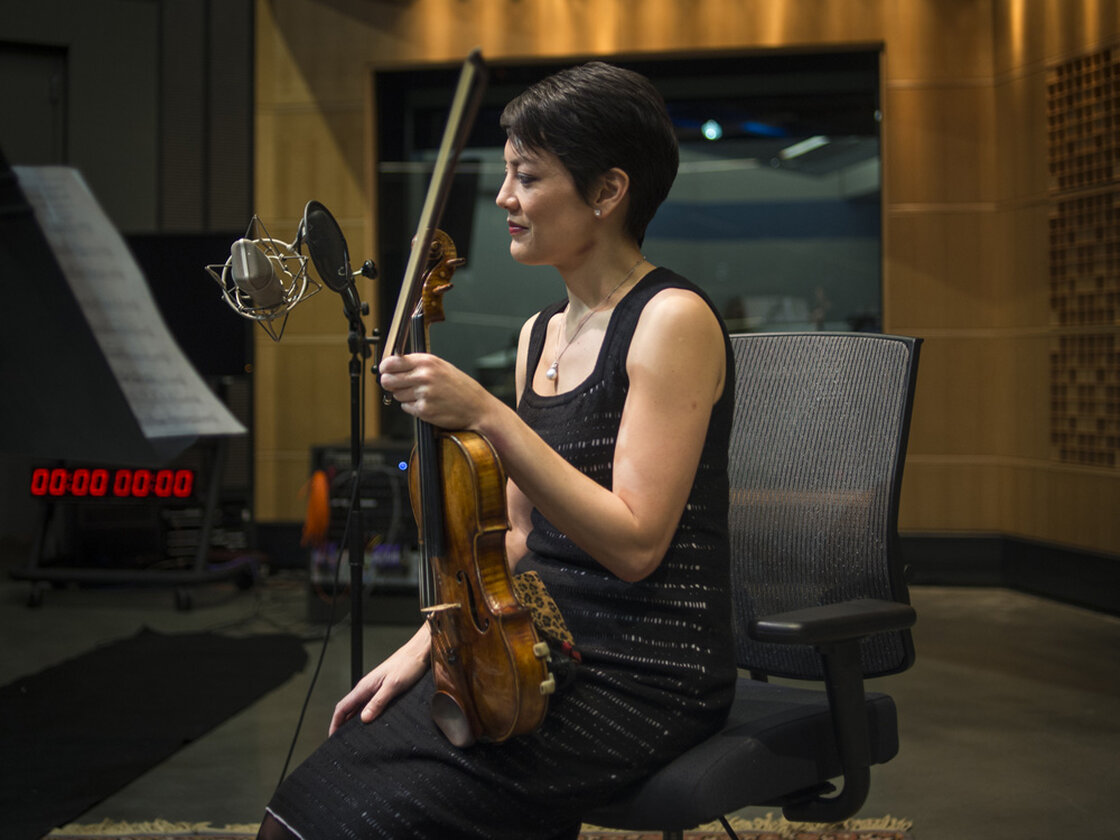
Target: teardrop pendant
{"points": [[550, 374]]}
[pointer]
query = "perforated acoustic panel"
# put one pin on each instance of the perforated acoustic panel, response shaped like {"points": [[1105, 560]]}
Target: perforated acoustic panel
{"points": [[1083, 115]]}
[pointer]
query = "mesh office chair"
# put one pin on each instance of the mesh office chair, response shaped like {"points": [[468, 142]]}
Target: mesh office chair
{"points": [[817, 448]]}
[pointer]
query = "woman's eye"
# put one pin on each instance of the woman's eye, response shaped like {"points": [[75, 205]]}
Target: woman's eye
{"points": [[524, 179]]}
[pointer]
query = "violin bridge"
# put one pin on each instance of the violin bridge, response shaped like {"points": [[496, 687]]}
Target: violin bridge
{"points": [[439, 608]]}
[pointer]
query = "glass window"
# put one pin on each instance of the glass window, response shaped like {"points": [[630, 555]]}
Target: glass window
{"points": [[775, 212]]}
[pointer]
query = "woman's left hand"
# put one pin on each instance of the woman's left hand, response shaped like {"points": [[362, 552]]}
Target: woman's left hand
{"points": [[434, 390], [399, 672]]}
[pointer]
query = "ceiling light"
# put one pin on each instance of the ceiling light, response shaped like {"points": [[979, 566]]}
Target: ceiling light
{"points": [[711, 130], [805, 146]]}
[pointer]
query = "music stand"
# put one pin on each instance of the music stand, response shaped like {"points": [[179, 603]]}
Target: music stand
{"points": [[91, 373]]}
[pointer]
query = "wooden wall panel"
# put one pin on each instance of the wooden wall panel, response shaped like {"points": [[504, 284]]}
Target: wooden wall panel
{"points": [[1010, 454], [1020, 33], [945, 495], [306, 153], [941, 142], [1061, 507], [1023, 230], [937, 41], [981, 397], [1065, 506], [307, 385], [944, 269], [963, 386], [1026, 428], [1072, 28], [1020, 120]]}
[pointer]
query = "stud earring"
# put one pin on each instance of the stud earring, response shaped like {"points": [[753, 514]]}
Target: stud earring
{"points": [[598, 212]]}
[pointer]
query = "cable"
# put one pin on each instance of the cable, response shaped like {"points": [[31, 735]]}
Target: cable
{"points": [[326, 640], [350, 517]]}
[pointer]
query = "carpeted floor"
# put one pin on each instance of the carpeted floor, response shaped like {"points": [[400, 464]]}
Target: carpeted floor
{"points": [[763, 828], [73, 734]]}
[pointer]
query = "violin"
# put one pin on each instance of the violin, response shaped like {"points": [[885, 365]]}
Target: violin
{"points": [[490, 667]]}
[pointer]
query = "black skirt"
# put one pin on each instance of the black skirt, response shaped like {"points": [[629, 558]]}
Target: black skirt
{"points": [[398, 777]]}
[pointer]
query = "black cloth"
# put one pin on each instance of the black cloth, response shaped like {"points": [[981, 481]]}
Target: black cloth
{"points": [[657, 672], [79, 731]]}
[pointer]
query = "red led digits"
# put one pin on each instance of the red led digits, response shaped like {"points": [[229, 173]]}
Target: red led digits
{"points": [[99, 482]]}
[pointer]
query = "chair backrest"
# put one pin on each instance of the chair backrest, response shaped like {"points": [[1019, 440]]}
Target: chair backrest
{"points": [[817, 448]]}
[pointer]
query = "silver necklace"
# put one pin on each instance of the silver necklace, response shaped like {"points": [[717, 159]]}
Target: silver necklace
{"points": [[554, 369]]}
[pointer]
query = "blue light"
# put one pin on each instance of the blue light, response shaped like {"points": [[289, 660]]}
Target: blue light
{"points": [[762, 129], [711, 130], [402, 466]]}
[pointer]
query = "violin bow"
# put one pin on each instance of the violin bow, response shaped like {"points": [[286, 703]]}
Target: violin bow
{"points": [[464, 109]]}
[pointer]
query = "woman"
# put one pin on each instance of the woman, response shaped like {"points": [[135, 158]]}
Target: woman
{"points": [[617, 498]]}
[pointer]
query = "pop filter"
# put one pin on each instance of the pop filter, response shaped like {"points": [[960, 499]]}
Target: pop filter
{"points": [[326, 246]]}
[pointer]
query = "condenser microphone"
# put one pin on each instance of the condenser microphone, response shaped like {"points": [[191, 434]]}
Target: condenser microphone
{"points": [[254, 275], [264, 278]]}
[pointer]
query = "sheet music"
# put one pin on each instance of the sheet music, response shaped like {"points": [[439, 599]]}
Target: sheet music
{"points": [[165, 392]]}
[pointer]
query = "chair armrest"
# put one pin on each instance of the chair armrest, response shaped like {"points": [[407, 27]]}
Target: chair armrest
{"points": [[832, 623], [836, 630]]}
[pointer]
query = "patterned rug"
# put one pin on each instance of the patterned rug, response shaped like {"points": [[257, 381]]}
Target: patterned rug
{"points": [[763, 828]]}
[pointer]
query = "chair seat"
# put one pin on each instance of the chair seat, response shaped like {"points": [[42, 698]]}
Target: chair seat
{"points": [[777, 739]]}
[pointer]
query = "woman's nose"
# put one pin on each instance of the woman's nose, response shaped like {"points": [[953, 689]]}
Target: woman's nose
{"points": [[504, 196]]}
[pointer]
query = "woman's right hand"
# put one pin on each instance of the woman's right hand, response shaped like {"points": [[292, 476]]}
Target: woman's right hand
{"points": [[391, 678]]}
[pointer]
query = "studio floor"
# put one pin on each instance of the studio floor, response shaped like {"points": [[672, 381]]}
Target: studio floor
{"points": [[1010, 719]]}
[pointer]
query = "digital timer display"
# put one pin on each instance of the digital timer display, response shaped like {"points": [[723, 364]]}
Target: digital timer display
{"points": [[111, 483]]}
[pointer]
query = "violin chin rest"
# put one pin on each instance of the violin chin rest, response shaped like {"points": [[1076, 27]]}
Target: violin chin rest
{"points": [[451, 719]]}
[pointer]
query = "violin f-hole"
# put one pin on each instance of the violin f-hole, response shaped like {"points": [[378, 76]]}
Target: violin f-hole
{"points": [[480, 623]]}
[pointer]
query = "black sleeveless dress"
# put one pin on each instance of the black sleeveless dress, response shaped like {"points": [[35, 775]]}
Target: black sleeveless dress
{"points": [[657, 672]]}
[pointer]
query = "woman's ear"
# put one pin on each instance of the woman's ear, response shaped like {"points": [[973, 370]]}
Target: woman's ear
{"points": [[612, 190]]}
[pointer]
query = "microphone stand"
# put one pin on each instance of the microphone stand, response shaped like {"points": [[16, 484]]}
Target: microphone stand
{"points": [[327, 247], [359, 346]]}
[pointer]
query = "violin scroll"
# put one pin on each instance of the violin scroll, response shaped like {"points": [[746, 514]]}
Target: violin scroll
{"points": [[443, 259]]}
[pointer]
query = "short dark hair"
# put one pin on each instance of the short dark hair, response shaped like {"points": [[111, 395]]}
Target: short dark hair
{"points": [[595, 117]]}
